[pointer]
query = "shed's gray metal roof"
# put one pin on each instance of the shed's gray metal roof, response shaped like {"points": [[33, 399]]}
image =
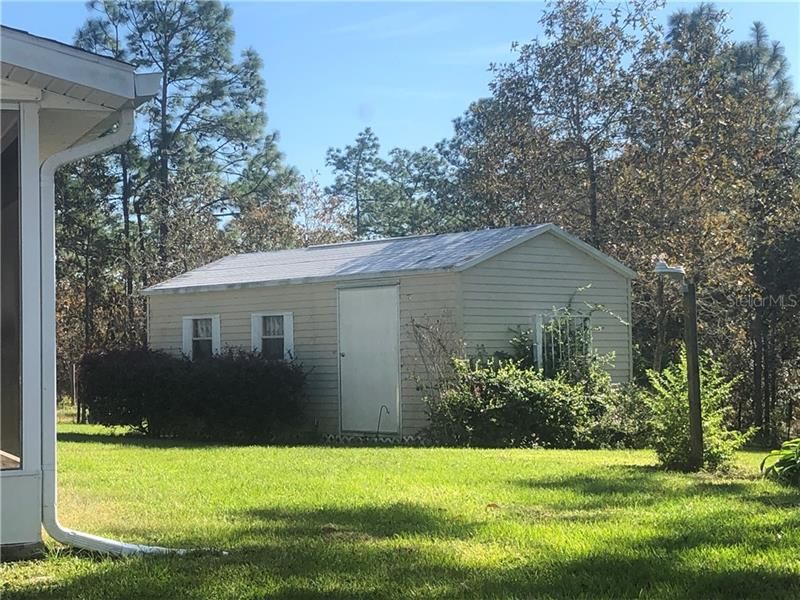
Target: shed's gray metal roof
{"points": [[363, 260]]}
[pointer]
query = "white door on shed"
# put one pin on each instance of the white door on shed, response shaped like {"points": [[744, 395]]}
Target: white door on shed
{"points": [[369, 359]]}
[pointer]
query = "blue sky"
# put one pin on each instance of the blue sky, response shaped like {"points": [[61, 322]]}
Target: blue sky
{"points": [[404, 69]]}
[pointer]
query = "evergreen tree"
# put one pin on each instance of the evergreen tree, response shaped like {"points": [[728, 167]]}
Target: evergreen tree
{"points": [[355, 168]]}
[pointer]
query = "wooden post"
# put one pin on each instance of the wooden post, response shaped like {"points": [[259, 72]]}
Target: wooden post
{"points": [[693, 375]]}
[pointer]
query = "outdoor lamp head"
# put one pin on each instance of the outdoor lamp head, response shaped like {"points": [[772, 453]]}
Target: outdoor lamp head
{"points": [[662, 268]]}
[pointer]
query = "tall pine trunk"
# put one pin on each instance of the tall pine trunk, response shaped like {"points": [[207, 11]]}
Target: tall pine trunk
{"points": [[163, 164], [130, 332], [766, 395], [757, 344], [143, 274]]}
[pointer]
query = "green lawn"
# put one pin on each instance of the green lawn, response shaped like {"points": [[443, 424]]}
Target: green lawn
{"points": [[411, 523]]}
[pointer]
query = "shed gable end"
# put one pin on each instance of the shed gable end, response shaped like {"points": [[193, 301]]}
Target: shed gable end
{"points": [[507, 291]]}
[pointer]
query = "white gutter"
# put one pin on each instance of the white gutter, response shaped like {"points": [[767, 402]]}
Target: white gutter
{"points": [[49, 488]]}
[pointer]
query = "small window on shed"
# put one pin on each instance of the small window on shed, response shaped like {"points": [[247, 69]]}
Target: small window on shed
{"points": [[201, 336], [273, 336]]}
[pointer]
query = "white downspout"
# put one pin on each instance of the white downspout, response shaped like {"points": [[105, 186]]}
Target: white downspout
{"points": [[49, 489]]}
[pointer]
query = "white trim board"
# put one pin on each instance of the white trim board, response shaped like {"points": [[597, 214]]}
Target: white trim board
{"points": [[41, 63]]}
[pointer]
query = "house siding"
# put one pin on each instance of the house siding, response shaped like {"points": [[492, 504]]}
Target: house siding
{"points": [[314, 307], [506, 291]]}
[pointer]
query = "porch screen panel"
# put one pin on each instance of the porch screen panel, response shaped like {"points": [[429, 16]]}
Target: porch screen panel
{"points": [[10, 310]]}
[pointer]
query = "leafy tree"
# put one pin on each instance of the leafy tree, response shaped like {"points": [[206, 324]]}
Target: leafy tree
{"points": [[405, 194], [576, 85], [321, 218], [106, 36], [261, 201], [196, 238], [496, 158], [391, 197], [670, 416], [200, 154], [767, 155], [673, 185]]}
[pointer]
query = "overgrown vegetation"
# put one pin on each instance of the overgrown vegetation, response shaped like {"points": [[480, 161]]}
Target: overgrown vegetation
{"points": [[670, 415], [229, 397], [552, 390], [784, 464], [622, 419], [498, 403]]}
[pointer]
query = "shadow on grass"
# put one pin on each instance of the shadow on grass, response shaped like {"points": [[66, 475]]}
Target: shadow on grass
{"points": [[363, 523], [405, 550], [132, 439], [320, 565], [135, 439], [620, 486]]}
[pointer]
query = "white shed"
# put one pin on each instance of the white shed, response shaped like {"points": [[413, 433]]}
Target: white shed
{"points": [[347, 311], [59, 104]]}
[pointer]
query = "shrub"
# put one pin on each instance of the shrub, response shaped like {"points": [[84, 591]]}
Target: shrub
{"points": [[618, 415], [622, 419], [230, 397], [669, 404], [500, 404], [784, 464]]}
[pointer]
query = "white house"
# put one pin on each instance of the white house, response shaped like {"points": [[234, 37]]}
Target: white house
{"points": [[348, 312], [59, 104]]}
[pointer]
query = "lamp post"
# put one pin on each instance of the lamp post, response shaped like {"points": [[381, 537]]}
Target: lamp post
{"points": [[692, 360]]}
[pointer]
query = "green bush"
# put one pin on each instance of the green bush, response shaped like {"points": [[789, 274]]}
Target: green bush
{"points": [[669, 423], [498, 403], [622, 418], [230, 397], [784, 464]]}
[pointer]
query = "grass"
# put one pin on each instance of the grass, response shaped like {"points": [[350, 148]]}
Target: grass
{"points": [[411, 522]]}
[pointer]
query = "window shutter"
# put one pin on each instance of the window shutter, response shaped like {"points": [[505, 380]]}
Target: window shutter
{"points": [[255, 332], [216, 341], [288, 334], [187, 336]]}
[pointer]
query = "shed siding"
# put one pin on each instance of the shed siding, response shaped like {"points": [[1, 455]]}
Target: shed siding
{"points": [[424, 300], [479, 306], [315, 336], [314, 307], [507, 290]]}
